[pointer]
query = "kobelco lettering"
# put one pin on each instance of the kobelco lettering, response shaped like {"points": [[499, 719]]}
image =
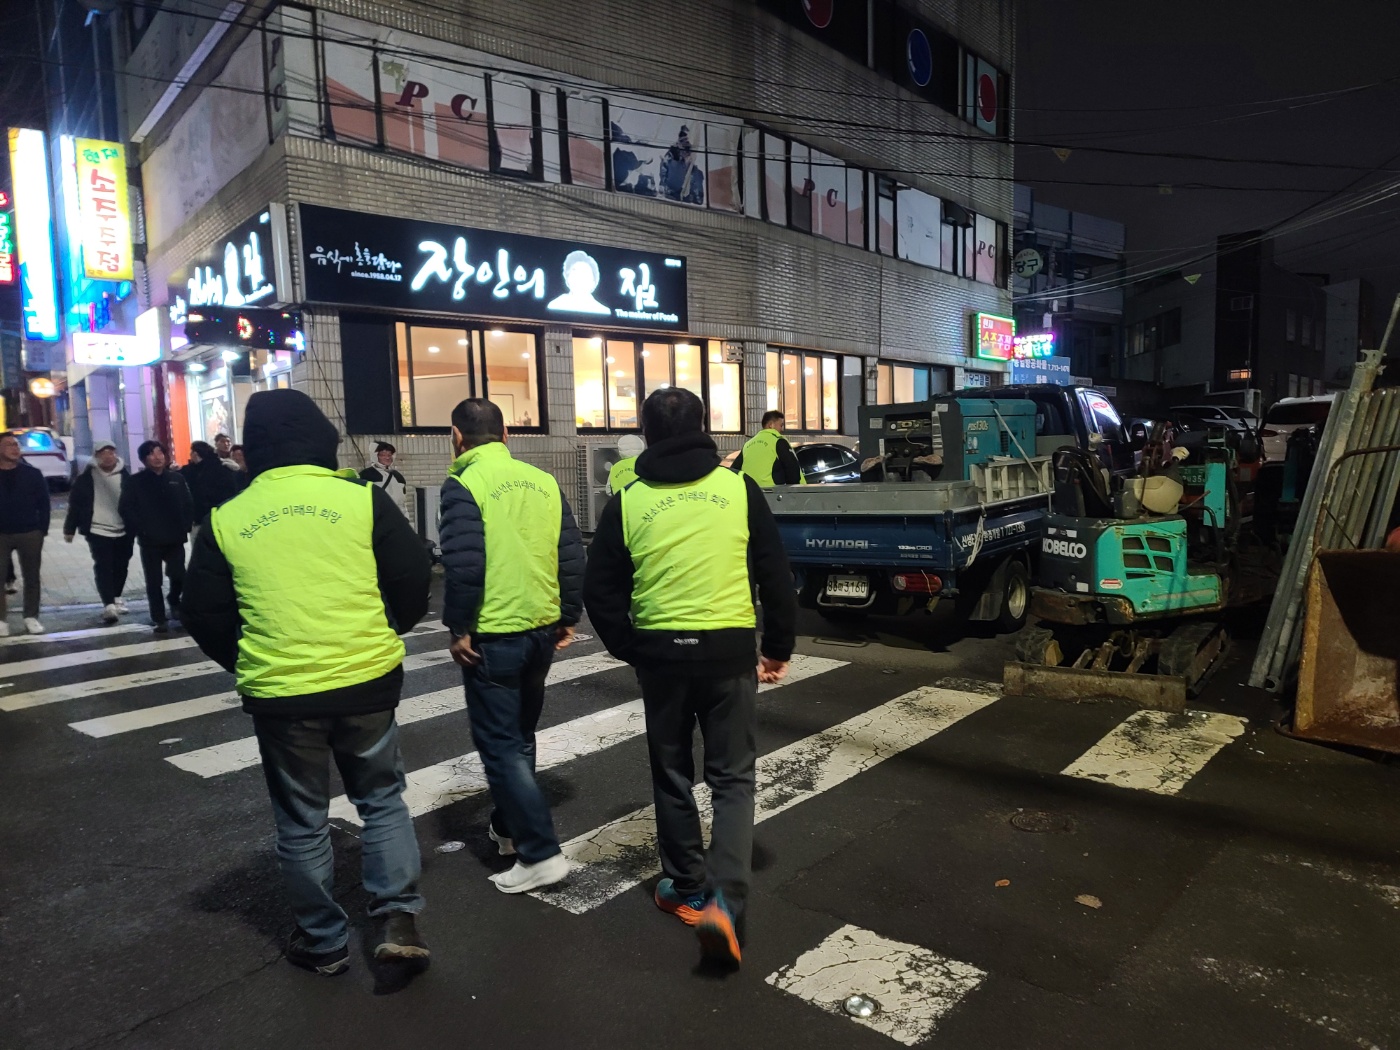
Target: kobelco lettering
{"points": [[1063, 548]]}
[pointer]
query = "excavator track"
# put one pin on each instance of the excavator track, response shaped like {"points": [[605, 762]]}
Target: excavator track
{"points": [[1192, 652]]}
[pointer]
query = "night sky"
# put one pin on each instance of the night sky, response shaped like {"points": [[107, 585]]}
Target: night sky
{"points": [[1225, 78]]}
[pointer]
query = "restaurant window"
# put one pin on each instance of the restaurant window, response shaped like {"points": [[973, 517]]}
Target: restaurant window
{"points": [[897, 384], [806, 388], [441, 365], [613, 376]]}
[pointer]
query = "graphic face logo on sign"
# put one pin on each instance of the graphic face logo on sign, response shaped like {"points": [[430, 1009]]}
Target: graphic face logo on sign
{"points": [[417, 265]]}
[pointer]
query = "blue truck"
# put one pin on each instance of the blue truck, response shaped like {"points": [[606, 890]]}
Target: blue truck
{"points": [[958, 512]]}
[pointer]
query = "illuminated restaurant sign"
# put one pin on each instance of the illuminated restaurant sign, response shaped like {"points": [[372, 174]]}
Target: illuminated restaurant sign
{"points": [[993, 337], [104, 210]]}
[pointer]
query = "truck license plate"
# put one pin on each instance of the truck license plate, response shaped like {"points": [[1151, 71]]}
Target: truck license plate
{"points": [[847, 587]]}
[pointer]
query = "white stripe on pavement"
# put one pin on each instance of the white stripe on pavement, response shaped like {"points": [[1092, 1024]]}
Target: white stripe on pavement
{"points": [[97, 686], [95, 656], [1157, 751], [622, 854], [914, 987], [240, 754], [444, 783], [73, 636], [161, 714]]}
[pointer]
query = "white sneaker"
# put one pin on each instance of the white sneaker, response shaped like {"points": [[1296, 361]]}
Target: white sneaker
{"points": [[109, 614], [526, 877], [121, 605], [33, 626], [4, 629], [504, 846]]}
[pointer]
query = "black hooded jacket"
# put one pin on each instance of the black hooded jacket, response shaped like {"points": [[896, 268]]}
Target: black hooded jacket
{"points": [[284, 428], [209, 481], [608, 580]]}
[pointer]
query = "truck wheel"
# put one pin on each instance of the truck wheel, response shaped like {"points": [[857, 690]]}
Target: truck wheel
{"points": [[1015, 597]]}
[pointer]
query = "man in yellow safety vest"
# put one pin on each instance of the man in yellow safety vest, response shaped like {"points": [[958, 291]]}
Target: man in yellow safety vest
{"points": [[301, 585], [768, 458], [669, 589], [513, 565]]}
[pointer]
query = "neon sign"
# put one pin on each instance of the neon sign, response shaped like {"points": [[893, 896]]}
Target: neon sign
{"points": [[104, 210], [29, 170], [1042, 344], [110, 348], [993, 337], [9, 269]]}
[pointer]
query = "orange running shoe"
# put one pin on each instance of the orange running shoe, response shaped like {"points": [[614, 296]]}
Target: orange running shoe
{"points": [[719, 942], [685, 908]]}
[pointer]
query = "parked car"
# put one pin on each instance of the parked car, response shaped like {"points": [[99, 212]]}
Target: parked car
{"points": [[1288, 415], [822, 462], [1218, 415], [44, 449]]}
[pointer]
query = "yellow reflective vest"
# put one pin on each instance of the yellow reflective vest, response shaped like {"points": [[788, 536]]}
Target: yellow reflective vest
{"points": [[521, 517], [689, 544], [761, 456], [621, 474], [299, 542]]}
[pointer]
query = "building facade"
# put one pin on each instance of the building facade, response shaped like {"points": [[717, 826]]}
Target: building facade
{"points": [[810, 211]]}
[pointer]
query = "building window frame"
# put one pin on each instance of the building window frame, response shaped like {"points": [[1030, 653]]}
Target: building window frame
{"points": [[476, 360], [808, 365], [641, 343]]}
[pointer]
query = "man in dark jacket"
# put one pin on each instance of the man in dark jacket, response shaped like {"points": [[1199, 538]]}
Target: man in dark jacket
{"points": [[513, 591], [24, 522], [209, 482], [301, 585], [669, 589], [94, 510], [157, 510]]}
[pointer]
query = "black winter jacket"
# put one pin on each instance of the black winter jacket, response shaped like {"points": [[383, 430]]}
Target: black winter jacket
{"points": [[607, 588], [284, 428], [157, 508], [78, 520], [210, 483], [462, 538], [24, 499]]}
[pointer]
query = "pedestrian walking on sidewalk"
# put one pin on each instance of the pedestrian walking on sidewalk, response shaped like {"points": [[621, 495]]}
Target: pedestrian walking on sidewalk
{"points": [[513, 560], [209, 483], [156, 508], [94, 511], [24, 522], [669, 589], [301, 585], [223, 447]]}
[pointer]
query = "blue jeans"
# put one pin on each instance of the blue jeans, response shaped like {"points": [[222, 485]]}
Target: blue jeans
{"points": [[505, 695], [366, 751]]}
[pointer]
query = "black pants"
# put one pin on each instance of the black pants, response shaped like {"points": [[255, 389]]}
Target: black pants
{"points": [[172, 557], [111, 555], [724, 710]]}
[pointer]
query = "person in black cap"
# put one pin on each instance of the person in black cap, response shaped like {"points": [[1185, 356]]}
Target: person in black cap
{"points": [[156, 508], [301, 585], [381, 473]]}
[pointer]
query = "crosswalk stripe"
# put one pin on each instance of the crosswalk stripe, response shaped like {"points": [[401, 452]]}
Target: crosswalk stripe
{"points": [[914, 987], [443, 783], [1157, 751], [96, 687], [161, 714], [240, 754], [622, 854], [73, 636], [95, 656]]}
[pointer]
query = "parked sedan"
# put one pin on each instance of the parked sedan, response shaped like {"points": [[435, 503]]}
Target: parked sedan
{"points": [[44, 449], [1219, 415], [822, 462]]}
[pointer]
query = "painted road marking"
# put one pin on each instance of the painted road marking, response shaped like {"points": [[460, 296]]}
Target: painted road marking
{"points": [[913, 987], [95, 656], [98, 686], [240, 754], [161, 714], [73, 636], [1157, 751], [622, 854], [444, 783]]}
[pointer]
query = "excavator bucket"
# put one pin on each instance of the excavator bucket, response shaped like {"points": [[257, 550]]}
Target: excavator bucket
{"points": [[1349, 674], [1160, 692]]}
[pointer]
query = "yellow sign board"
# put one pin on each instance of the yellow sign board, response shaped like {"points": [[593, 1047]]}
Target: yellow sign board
{"points": [[104, 210]]}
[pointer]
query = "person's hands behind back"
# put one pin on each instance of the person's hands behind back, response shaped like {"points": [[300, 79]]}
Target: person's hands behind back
{"points": [[771, 671]]}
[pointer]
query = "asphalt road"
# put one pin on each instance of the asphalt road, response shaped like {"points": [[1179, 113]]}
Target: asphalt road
{"points": [[991, 871]]}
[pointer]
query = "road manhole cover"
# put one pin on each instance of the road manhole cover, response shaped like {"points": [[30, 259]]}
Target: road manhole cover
{"points": [[1039, 821]]}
